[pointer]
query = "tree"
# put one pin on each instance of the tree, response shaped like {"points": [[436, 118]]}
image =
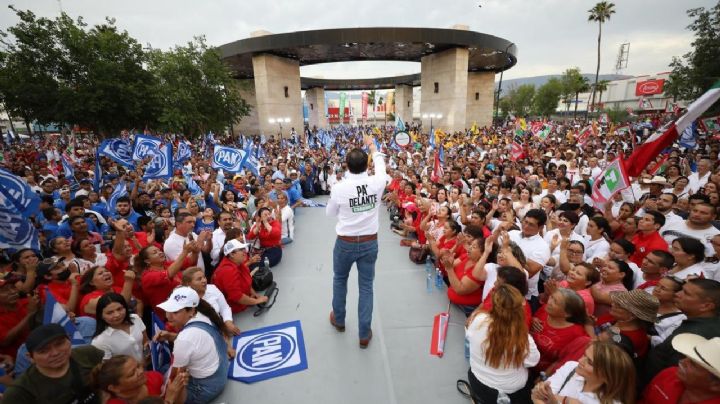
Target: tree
{"points": [[601, 87], [574, 83], [698, 69], [547, 97], [600, 13], [372, 97], [519, 100], [617, 114], [197, 91]]}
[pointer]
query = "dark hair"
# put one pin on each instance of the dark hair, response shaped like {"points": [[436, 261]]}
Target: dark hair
{"points": [[666, 259], [122, 199], [49, 212], [710, 291], [205, 309], [692, 246], [73, 219], [658, 217], [626, 245], [674, 197], [603, 224], [627, 280], [180, 217], [140, 258], [515, 277], [86, 279], [474, 231], [223, 197], [75, 247], [108, 373], [104, 301], [454, 226], [537, 214], [357, 161], [574, 306], [577, 242], [143, 220], [593, 274], [552, 199], [74, 203], [263, 209]]}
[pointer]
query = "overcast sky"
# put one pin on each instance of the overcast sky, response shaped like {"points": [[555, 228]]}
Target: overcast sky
{"points": [[551, 35]]}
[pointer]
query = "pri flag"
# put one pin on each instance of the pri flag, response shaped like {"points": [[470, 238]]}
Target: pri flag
{"points": [[18, 203], [584, 135], [663, 138], [437, 172], [439, 333], [516, 151], [612, 180], [711, 124], [56, 314]]}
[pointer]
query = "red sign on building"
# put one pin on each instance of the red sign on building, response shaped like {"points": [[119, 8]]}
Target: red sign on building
{"points": [[649, 87], [334, 115]]}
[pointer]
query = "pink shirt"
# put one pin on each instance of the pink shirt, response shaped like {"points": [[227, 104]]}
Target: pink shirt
{"points": [[586, 296], [602, 308]]}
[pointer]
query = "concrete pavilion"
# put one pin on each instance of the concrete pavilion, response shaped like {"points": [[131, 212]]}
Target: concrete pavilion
{"points": [[457, 74]]}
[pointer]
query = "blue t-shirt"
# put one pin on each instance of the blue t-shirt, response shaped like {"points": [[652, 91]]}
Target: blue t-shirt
{"points": [[200, 225]]}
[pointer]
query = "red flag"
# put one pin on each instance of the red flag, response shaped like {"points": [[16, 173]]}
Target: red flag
{"points": [[439, 334], [584, 135], [643, 155], [437, 172], [516, 151], [655, 167]]}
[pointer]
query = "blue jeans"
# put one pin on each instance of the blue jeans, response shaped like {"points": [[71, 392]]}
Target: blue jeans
{"points": [[286, 241], [364, 256], [201, 391]]}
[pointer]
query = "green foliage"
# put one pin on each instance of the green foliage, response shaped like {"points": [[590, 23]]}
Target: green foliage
{"points": [[699, 69], [600, 14], [518, 100], [197, 93], [547, 97], [617, 114], [573, 83]]}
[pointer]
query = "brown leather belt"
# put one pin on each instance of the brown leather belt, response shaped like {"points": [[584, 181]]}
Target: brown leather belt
{"points": [[358, 239]]}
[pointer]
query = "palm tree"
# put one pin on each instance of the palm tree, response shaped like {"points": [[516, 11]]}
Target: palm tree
{"points": [[601, 87], [600, 13], [371, 98]]}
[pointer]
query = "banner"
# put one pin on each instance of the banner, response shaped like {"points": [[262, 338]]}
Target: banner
{"points": [[228, 158], [55, 314], [439, 334], [119, 191], [17, 203], [649, 87], [160, 352], [688, 138], [161, 164], [144, 146], [118, 150], [611, 181], [268, 352], [711, 124], [342, 106], [364, 104]]}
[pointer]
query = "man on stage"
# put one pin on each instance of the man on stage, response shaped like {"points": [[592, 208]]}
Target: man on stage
{"points": [[355, 201]]}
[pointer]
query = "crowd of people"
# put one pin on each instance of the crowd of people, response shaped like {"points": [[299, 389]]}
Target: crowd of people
{"points": [[567, 300]]}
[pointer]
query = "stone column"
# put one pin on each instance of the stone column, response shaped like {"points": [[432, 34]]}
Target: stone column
{"points": [[277, 93], [404, 102], [315, 98], [480, 98], [444, 83], [248, 125]]}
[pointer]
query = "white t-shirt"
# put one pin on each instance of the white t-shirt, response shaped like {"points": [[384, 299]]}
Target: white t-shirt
{"points": [[288, 222], [556, 252], [218, 241], [680, 229], [596, 248], [195, 349], [535, 249], [174, 244], [215, 298], [506, 380], [693, 270], [573, 388], [116, 342]]}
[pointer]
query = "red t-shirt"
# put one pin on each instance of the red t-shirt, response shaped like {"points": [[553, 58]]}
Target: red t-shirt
{"points": [[60, 290], [665, 387], [550, 340], [157, 286], [645, 244], [443, 244], [90, 296], [117, 268], [268, 238], [639, 338], [470, 299], [154, 385], [234, 281], [8, 320]]}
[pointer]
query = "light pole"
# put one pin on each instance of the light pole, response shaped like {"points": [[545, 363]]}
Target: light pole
{"points": [[431, 116], [497, 99], [279, 121]]}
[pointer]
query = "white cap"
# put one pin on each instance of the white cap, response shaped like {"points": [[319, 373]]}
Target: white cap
{"points": [[292, 172], [181, 298], [586, 171], [233, 245], [704, 352]]}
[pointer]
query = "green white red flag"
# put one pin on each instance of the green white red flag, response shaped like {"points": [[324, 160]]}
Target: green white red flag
{"points": [[665, 136], [611, 181], [711, 124]]}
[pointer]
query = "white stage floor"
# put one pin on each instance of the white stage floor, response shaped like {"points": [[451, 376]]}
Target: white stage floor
{"points": [[396, 368]]}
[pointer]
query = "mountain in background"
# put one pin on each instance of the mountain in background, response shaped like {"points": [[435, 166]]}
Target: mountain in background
{"points": [[538, 81]]}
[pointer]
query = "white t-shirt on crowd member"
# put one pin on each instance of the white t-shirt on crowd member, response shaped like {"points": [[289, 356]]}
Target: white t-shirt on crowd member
{"points": [[535, 249], [195, 349], [681, 229]]}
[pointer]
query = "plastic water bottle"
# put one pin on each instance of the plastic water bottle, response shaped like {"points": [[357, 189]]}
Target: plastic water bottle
{"points": [[503, 398], [467, 348], [429, 283], [438, 279], [266, 263], [428, 265]]}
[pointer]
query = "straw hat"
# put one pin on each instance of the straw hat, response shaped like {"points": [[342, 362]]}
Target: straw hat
{"points": [[704, 352], [641, 304]]}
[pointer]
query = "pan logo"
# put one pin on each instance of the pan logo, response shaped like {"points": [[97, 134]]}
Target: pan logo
{"points": [[145, 147], [267, 352]]}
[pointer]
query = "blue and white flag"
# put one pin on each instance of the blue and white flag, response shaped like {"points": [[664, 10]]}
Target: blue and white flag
{"points": [[160, 353], [312, 204], [56, 314], [431, 139], [145, 146], [98, 172], [251, 163], [688, 138], [17, 203], [161, 164], [118, 150], [399, 125], [119, 191], [68, 169], [192, 186], [228, 158], [184, 152]]}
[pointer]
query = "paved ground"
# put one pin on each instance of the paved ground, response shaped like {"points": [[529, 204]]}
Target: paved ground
{"points": [[397, 367]]}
